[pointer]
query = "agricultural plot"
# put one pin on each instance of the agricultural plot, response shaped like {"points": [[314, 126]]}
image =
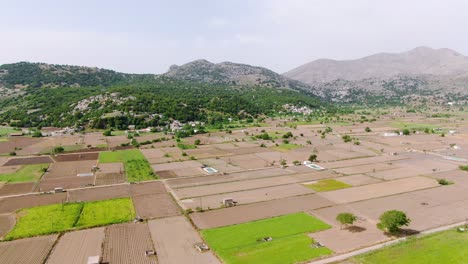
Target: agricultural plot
{"points": [[247, 197], [99, 193], [445, 247], [327, 185], [166, 234], [7, 221], [75, 247], [359, 179], [31, 250], [77, 157], [370, 191], [256, 211], [5, 131], [69, 169], [12, 204], [25, 174], [144, 188], [244, 243], [28, 161], [16, 188], [127, 243], [57, 218], [136, 166], [155, 206]]}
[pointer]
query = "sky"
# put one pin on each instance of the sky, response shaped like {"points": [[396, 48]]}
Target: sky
{"points": [[150, 36]]}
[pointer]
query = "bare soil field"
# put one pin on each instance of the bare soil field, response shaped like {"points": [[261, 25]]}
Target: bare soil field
{"points": [[246, 162], [48, 184], [375, 190], [221, 165], [144, 188], [176, 165], [22, 143], [248, 197], [30, 250], [16, 188], [205, 190], [361, 161], [99, 193], [171, 249], [187, 172], [94, 139], [236, 176], [109, 178], [69, 169], [77, 157], [247, 150], [75, 247], [153, 155], [9, 169], [28, 161], [256, 211], [12, 204], [116, 167], [155, 206], [166, 174], [116, 141], [7, 221], [48, 143], [127, 243], [361, 234], [359, 179], [367, 168], [205, 152]]}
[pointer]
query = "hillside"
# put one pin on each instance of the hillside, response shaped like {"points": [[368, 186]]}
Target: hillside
{"points": [[416, 62], [37, 94], [233, 74]]}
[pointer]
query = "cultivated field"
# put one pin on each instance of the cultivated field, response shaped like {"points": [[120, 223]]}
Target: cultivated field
{"points": [[242, 243], [127, 243], [30, 250], [75, 247], [166, 234], [136, 166]]}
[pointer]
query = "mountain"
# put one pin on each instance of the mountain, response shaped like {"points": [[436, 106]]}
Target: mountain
{"points": [[416, 62], [233, 74]]}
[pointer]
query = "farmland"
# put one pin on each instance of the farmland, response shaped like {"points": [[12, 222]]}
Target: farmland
{"points": [[444, 247], [61, 217], [25, 173], [327, 185], [136, 166], [240, 243]]}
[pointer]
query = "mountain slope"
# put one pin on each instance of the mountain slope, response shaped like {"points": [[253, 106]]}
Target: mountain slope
{"points": [[233, 74], [419, 61]]}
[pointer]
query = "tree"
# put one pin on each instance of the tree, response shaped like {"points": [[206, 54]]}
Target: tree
{"points": [[346, 218], [197, 142], [313, 157], [107, 133], [346, 138], [368, 129], [391, 221], [59, 149], [406, 132], [37, 133]]}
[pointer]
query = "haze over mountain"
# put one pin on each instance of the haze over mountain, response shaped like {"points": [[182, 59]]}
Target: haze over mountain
{"points": [[419, 61]]}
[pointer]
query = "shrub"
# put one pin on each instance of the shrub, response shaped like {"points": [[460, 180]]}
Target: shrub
{"points": [[346, 218], [107, 133], [464, 167], [59, 149], [367, 129], [444, 182], [406, 132], [313, 157], [346, 138]]}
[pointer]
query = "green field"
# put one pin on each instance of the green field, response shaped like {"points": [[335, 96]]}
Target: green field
{"points": [[106, 212], [290, 244], [136, 166], [444, 247], [57, 218], [287, 147], [327, 185], [413, 126], [25, 174], [5, 131]]}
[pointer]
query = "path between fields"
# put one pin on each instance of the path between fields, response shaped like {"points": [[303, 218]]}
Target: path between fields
{"points": [[382, 245]]}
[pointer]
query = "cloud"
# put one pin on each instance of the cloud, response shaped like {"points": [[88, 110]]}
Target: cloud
{"points": [[218, 22]]}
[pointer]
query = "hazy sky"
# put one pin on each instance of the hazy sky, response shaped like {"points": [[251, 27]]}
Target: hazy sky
{"points": [[149, 36]]}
